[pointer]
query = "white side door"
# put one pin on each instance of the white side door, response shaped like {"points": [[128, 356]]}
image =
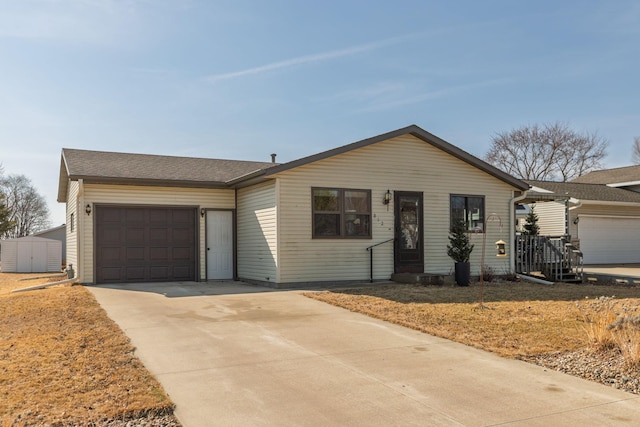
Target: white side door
{"points": [[39, 257], [23, 263], [219, 245]]}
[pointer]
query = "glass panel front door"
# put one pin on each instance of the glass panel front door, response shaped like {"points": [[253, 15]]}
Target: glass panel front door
{"points": [[409, 252]]}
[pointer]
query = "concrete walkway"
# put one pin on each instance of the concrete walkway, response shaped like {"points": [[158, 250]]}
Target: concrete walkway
{"points": [[230, 354]]}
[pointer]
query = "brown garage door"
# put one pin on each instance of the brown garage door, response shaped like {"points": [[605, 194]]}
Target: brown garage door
{"points": [[145, 244]]}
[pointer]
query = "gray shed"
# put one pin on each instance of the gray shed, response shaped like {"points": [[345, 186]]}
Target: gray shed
{"points": [[31, 255]]}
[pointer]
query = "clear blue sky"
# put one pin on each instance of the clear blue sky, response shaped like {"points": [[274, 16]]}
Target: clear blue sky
{"points": [[242, 79]]}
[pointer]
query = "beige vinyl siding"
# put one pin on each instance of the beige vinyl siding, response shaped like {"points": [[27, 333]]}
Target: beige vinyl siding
{"points": [[72, 237], [164, 196], [257, 233], [406, 164], [613, 210], [550, 218]]}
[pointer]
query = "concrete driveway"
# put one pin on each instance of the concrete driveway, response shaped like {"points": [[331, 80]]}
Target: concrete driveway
{"points": [[628, 274], [234, 354]]}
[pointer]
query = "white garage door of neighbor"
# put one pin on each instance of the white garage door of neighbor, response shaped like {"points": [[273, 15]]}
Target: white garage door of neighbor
{"points": [[608, 240]]}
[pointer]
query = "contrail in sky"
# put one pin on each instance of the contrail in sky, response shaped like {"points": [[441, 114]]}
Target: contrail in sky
{"points": [[308, 59]]}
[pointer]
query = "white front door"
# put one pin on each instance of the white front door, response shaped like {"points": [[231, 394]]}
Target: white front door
{"points": [[219, 245]]}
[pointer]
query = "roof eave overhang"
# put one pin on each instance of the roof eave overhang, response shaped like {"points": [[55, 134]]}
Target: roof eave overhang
{"points": [[246, 180], [609, 203], [148, 182], [63, 180], [533, 197], [624, 184]]}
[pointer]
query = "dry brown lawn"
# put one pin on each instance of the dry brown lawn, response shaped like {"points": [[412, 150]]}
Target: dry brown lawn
{"points": [[62, 360], [518, 319]]}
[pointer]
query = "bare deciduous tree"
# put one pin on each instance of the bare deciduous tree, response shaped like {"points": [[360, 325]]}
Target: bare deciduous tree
{"points": [[547, 152], [5, 217], [27, 209], [635, 156]]}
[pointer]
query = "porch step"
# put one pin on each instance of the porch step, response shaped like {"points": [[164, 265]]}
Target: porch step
{"points": [[568, 276], [571, 277], [418, 278]]}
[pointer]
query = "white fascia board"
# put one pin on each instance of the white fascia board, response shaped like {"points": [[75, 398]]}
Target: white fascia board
{"points": [[539, 190], [601, 202], [609, 216], [623, 184]]}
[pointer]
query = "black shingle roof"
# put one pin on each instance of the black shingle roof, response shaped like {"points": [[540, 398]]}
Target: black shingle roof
{"points": [[84, 163], [147, 169]]}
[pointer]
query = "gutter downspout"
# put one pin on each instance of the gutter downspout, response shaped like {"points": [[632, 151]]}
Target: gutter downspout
{"points": [[80, 232], [235, 233], [512, 230], [45, 285]]}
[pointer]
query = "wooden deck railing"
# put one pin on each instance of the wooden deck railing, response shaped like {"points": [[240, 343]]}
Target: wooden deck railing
{"points": [[552, 256]]}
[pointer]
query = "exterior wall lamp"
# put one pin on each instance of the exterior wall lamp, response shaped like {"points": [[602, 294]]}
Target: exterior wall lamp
{"points": [[387, 198], [501, 246], [87, 209], [202, 212]]}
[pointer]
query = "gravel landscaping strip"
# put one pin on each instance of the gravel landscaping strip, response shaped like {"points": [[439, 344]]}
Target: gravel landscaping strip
{"points": [[605, 367], [149, 421]]}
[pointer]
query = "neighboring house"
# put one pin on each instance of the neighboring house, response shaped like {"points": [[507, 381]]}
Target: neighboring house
{"points": [[522, 212], [138, 218], [56, 233], [627, 178], [601, 214]]}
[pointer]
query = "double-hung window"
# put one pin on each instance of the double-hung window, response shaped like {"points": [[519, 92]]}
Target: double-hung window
{"points": [[341, 213], [469, 209]]}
